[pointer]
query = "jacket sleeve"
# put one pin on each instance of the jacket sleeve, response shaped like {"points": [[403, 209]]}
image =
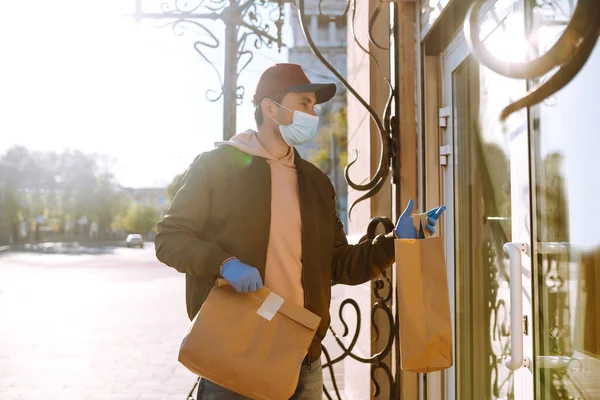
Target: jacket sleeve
{"points": [[360, 263], [181, 241]]}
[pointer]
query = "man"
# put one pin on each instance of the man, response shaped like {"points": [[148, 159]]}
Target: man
{"points": [[253, 211]]}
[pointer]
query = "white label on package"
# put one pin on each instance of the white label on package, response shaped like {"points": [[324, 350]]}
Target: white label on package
{"points": [[270, 306]]}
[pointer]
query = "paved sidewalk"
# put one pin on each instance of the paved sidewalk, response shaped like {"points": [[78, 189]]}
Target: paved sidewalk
{"points": [[91, 327], [96, 324]]}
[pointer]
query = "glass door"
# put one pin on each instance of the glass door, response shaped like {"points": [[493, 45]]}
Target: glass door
{"points": [[488, 190], [565, 139], [523, 250]]}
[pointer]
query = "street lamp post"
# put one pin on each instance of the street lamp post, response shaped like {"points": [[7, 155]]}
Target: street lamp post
{"points": [[243, 19]]}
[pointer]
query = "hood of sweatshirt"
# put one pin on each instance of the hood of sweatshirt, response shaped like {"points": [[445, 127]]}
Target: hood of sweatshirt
{"points": [[248, 143]]}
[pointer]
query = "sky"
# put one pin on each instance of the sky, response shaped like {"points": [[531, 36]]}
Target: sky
{"points": [[78, 74]]}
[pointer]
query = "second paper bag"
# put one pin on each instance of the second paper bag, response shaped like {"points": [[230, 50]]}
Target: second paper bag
{"points": [[423, 302]]}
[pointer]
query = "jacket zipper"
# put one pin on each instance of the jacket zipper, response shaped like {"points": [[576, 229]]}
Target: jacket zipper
{"points": [[302, 235], [269, 224]]}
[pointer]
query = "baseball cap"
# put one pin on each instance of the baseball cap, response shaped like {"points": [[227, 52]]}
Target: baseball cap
{"points": [[290, 78]]}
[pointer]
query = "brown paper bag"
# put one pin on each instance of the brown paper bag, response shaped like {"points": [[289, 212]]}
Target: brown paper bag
{"points": [[251, 343], [423, 303]]}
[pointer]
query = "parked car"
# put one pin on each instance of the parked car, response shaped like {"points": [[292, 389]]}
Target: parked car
{"points": [[135, 240]]}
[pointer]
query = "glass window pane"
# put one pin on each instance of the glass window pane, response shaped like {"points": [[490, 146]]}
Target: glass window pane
{"points": [[566, 140]]}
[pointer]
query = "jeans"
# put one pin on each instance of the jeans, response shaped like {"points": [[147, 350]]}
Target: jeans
{"points": [[310, 386]]}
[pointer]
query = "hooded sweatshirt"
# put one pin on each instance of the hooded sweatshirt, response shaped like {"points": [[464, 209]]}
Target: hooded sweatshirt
{"points": [[283, 271]]}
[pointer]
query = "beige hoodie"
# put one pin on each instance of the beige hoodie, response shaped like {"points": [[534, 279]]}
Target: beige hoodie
{"points": [[283, 272]]}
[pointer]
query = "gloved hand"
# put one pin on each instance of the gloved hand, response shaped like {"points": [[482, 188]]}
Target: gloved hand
{"points": [[405, 228], [242, 277]]}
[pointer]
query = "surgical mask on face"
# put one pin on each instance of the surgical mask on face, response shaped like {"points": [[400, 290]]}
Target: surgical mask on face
{"points": [[303, 128]]}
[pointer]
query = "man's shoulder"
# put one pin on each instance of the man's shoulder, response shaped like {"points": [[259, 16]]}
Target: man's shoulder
{"points": [[222, 155], [223, 151]]}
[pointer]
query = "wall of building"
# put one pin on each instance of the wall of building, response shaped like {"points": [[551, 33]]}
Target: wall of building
{"points": [[329, 33]]}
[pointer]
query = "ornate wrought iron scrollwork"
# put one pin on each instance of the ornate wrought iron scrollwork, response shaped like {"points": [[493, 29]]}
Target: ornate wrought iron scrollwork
{"points": [[247, 16], [383, 124], [569, 54], [383, 291]]}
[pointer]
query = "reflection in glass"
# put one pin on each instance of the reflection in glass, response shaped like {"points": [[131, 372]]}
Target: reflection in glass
{"points": [[482, 226], [567, 253], [483, 210]]}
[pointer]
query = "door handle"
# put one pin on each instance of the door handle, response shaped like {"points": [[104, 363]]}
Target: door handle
{"points": [[514, 251]]}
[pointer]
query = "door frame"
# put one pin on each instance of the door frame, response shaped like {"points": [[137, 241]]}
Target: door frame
{"points": [[452, 57]]}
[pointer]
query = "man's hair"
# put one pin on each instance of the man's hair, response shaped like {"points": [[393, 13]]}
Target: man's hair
{"points": [[258, 114]]}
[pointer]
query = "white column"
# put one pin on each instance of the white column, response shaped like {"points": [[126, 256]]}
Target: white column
{"points": [[314, 28], [332, 34]]}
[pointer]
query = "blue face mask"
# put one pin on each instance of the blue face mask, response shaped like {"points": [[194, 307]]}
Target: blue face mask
{"points": [[304, 127]]}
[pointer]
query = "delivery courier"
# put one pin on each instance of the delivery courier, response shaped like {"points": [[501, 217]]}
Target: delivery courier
{"points": [[259, 216]]}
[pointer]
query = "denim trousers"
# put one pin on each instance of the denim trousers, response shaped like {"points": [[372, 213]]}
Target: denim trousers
{"points": [[310, 386]]}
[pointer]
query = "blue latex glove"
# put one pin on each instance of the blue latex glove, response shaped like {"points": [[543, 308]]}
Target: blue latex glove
{"points": [[242, 277], [405, 228]]}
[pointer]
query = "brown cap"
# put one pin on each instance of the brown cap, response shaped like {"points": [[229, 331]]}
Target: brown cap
{"points": [[290, 78]]}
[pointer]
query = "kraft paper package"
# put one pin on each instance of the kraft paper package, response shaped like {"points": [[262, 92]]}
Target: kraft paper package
{"points": [[423, 302], [251, 343]]}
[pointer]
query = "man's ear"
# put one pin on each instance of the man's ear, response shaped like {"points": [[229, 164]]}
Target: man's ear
{"points": [[268, 107]]}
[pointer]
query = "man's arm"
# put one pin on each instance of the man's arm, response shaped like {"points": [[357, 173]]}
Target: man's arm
{"points": [[356, 264], [181, 241]]}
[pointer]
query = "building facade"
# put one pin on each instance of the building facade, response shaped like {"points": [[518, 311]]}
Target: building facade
{"points": [[521, 244], [328, 29]]}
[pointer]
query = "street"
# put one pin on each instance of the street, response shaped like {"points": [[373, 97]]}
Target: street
{"points": [[100, 326]]}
